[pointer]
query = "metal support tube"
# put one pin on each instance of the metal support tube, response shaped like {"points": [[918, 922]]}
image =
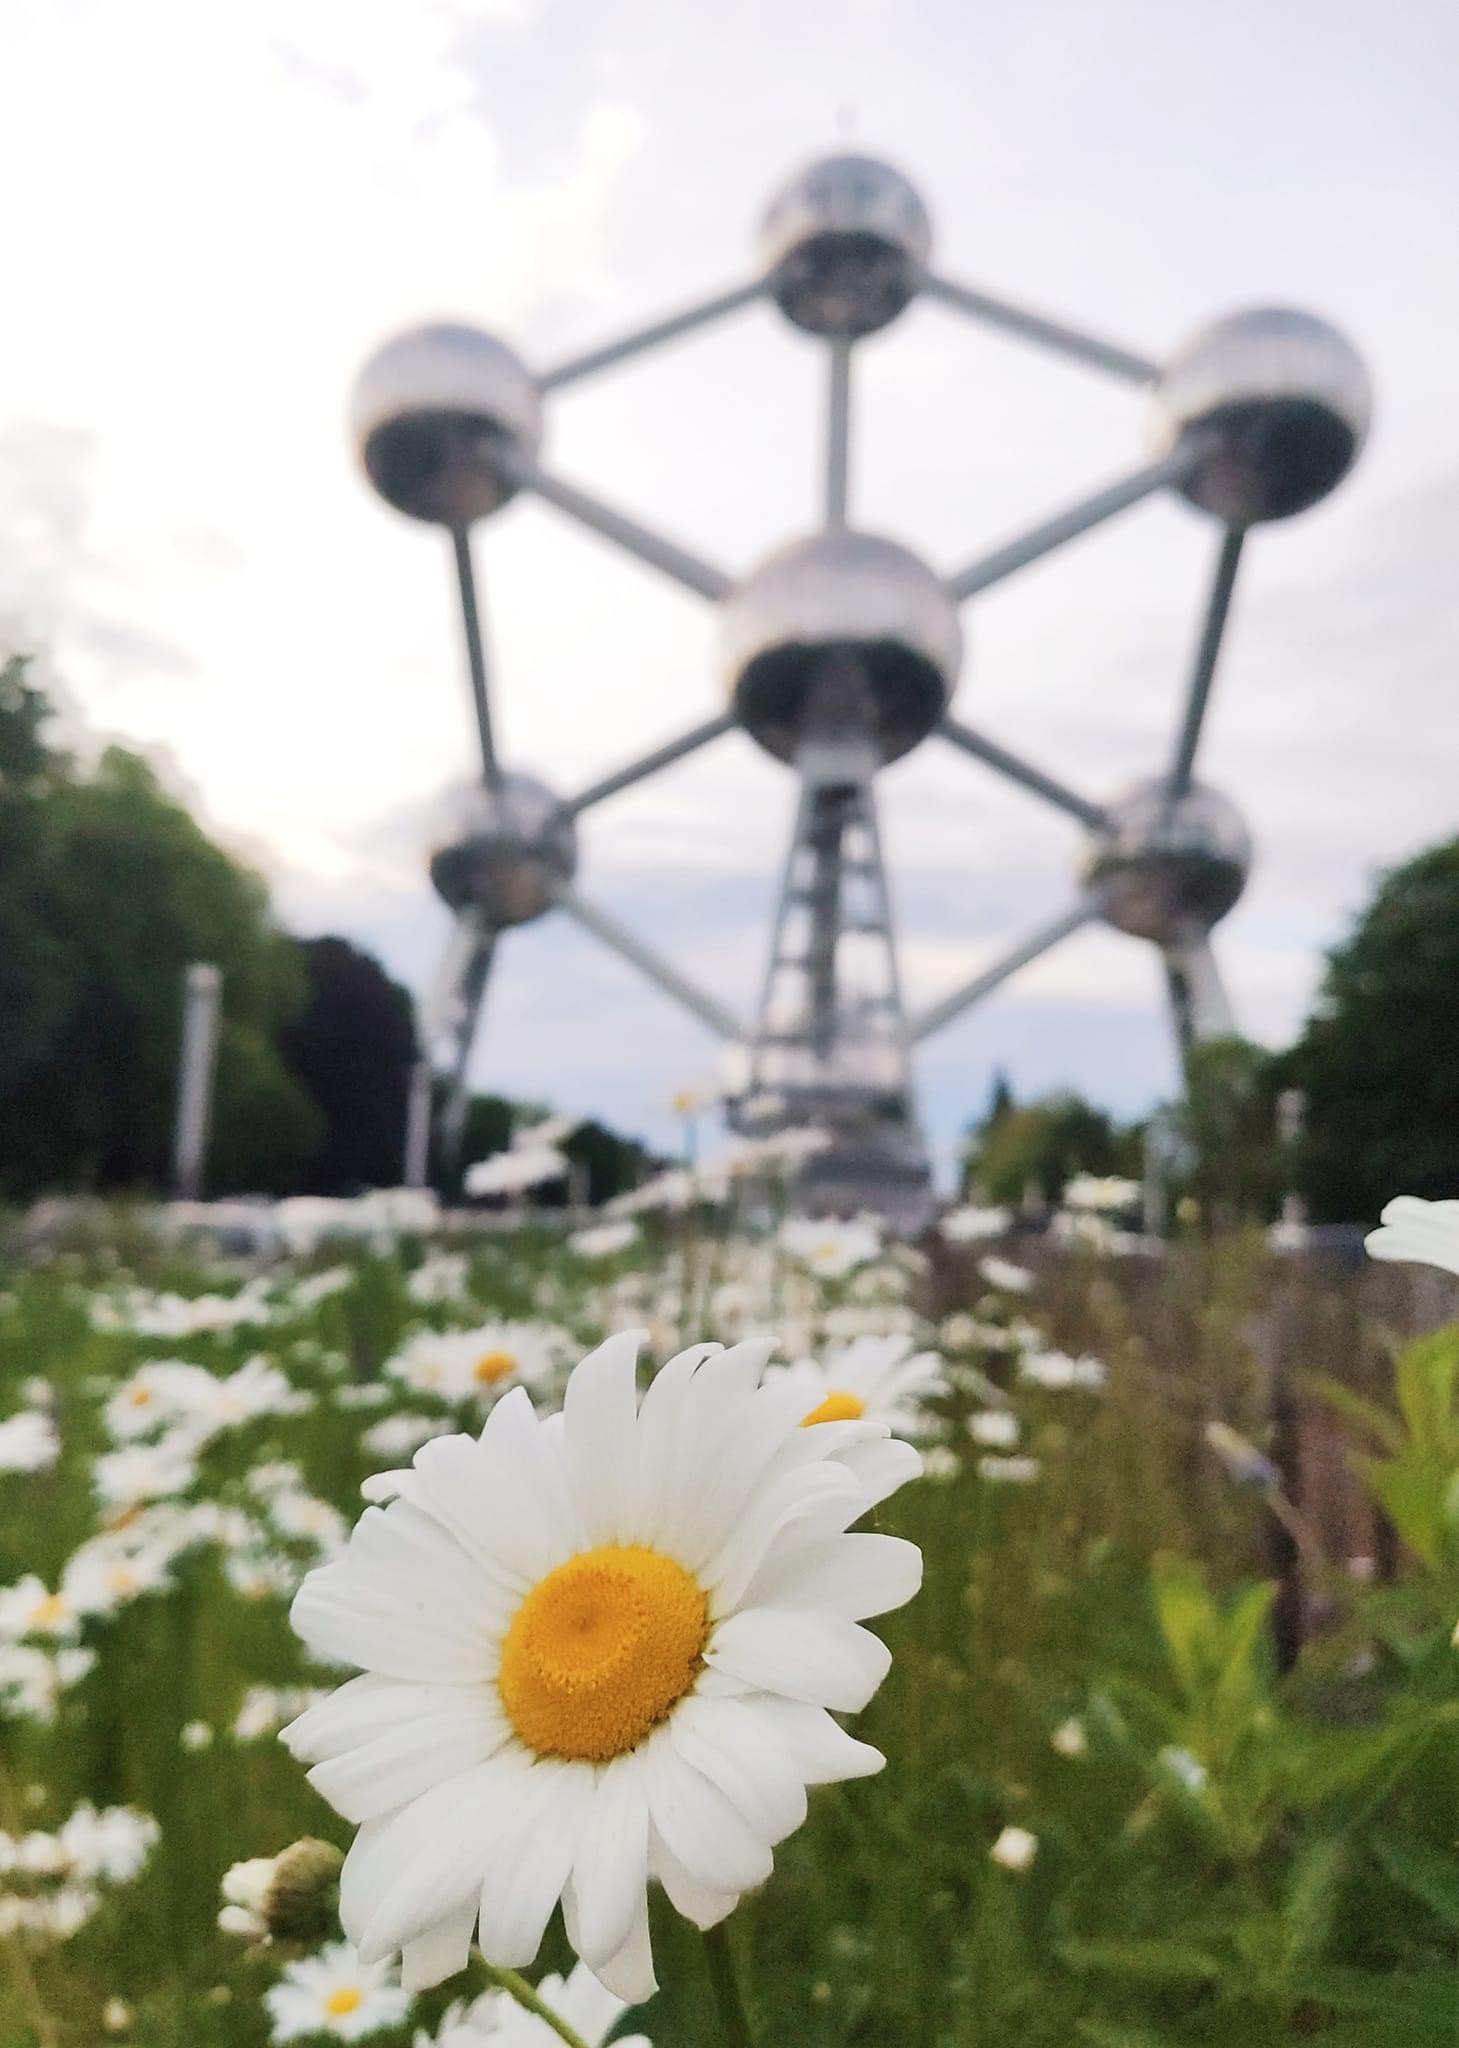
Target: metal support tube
{"points": [[613, 935], [649, 764], [1199, 1006], [1024, 773], [1044, 333], [1054, 533], [838, 434], [668, 329], [470, 993], [418, 1105], [663, 555], [475, 655], [202, 986], [993, 977], [1208, 649]]}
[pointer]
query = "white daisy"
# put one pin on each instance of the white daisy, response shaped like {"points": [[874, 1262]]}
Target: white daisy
{"points": [[1419, 1233], [829, 1248], [968, 1224], [1059, 1372], [479, 1364], [995, 1429], [873, 1378], [334, 1993], [598, 1649], [1005, 1276], [28, 1442], [603, 1240]]}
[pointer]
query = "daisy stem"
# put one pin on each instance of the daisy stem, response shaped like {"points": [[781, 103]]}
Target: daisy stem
{"points": [[518, 1988], [728, 1996]]}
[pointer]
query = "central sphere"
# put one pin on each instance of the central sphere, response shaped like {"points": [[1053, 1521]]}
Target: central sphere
{"points": [[601, 1650], [1162, 872], [1279, 402], [844, 246], [847, 600], [434, 412], [504, 854]]}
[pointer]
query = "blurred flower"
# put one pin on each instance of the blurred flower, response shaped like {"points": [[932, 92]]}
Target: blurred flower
{"points": [[996, 1429], [1416, 1232], [598, 1650], [1243, 1461], [1009, 1471], [1182, 1765], [828, 1248], [479, 1364], [1006, 1277], [441, 1277], [334, 1993], [1015, 1849], [873, 1377], [603, 1240], [396, 1436], [1059, 1372], [1101, 1194], [496, 2019], [1070, 1740], [28, 1442], [513, 1173], [33, 1679], [195, 1736], [968, 1224]]}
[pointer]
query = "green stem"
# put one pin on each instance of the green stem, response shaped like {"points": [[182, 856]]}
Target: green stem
{"points": [[725, 1981], [518, 1988]]}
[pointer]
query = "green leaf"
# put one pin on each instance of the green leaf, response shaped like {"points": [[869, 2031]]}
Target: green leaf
{"points": [[1428, 1873], [1356, 1408], [1428, 1373], [1151, 1962]]}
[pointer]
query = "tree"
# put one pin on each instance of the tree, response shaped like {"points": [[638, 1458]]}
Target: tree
{"points": [[351, 1049], [1228, 1121], [1379, 1059], [1038, 1146]]}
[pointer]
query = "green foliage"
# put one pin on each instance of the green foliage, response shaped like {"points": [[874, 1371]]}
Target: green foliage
{"points": [[1379, 1062], [1036, 1147], [1227, 1119], [351, 1047]]}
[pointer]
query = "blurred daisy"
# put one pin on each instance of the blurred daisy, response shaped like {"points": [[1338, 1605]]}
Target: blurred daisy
{"points": [[28, 1442], [591, 2011], [1005, 1276], [830, 1249], [603, 1240], [1057, 1371], [1015, 1849], [968, 1224], [1008, 1471], [996, 1429], [1415, 1232], [597, 1650], [30, 1608], [479, 1364], [873, 1378], [334, 1993]]}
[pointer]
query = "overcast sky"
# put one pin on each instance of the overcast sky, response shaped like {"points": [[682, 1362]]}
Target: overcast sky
{"points": [[213, 213]]}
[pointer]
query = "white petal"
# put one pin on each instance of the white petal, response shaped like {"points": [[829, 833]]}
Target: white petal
{"points": [[716, 1845], [746, 1758], [803, 1504], [525, 1497], [821, 1749], [812, 1657], [412, 1870], [702, 1907], [600, 1423], [404, 1601], [529, 1858], [610, 1869], [881, 1466], [853, 1576], [438, 1733], [630, 1974], [431, 1958]]}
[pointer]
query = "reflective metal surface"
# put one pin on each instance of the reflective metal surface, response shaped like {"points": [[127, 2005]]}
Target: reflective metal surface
{"points": [[850, 599], [845, 245], [504, 855], [431, 413], [1163, 871], [1284, 401]]}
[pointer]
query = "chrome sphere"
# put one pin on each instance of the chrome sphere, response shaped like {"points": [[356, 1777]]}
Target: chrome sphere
{"points": [[845, 631], [1283, 402], [504, 854], [844, 246], [1160, 874], [433, 412]]}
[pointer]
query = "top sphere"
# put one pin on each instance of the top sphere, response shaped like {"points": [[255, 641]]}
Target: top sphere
{"points": [[847, 629], [1281, 403], [433, 412], [844, 246], [1162, 871], [505, 853]]}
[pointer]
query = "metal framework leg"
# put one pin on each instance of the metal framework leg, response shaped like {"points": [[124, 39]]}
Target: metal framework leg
{"points": [[994, 977], [1203, 671], [1199, 1006], [475, 654], [838, 434], [632, 949]]}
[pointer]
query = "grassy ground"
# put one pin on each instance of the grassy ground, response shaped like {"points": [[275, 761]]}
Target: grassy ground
{"points": [[1221, 1856]]}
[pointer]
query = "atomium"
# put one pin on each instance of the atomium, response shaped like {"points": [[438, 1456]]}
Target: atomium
{"points": [[1163, 868], [505, 852], [846, 616], [1276, 405], [434, 413], [844, 246], [841, 652]]}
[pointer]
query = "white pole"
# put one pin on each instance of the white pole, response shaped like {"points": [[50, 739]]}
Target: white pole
{"points": [[202, 986]]}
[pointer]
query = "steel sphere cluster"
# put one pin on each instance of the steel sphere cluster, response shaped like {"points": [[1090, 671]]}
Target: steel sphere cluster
{"points": [[1161, 867]]}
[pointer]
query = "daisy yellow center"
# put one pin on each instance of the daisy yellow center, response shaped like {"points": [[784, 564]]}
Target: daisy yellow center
{"points": [[837, 1407], [346, 2000], [601, 1650], [141, 1396], [493, 1366], [50, 1610]]}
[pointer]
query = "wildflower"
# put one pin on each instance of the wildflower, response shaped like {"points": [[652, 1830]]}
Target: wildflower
{"points": [[441, 1277], [334, 1993], [28, 1442], [1243, 1462], [1005, 1276], [513, 1173], [1182, 1765], [996, 1429], [1009, 1471], [968, 1224], [1416, 1232], [396, 1436], [32, 1679], [288, 1897], [195, 1736], [1070, 1740], [30, 1608], [479, 1364], [1100, 1194], [830, 1249], [872, 1378], [598, 1650], [496, 2019], [1057, 1371], [603, 1240], [1015, 1849]]}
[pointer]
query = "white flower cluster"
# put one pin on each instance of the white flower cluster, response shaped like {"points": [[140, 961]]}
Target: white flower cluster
{"points": [[51, 1883]]}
